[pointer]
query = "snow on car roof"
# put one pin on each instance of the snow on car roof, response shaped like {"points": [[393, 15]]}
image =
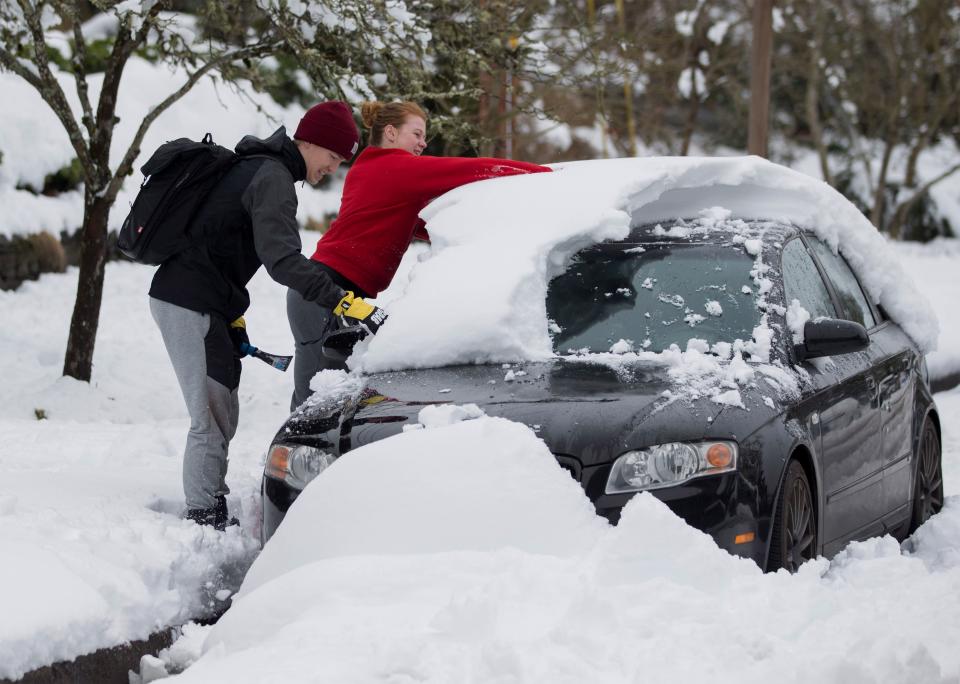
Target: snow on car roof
{"points": [[478, 295]]}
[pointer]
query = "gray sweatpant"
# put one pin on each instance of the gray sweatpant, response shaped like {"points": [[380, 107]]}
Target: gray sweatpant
{"points": [[202, 355], [309, 323]]}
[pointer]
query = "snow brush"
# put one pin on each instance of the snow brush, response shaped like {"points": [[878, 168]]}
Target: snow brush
{"points": [[278, 362]]}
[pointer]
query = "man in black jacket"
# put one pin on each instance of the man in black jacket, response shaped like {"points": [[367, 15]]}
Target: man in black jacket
{"points": [[198, 297]]}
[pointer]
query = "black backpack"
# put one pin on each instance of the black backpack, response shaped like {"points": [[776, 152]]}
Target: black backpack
{"points": [[178, 178]]}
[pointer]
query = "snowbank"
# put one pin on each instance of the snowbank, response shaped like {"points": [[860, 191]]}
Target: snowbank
{"points": [[437, 574], [479, 485], [497, 243]]}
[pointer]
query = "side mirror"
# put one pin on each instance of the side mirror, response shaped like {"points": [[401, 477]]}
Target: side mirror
{"points": [[830, 337]]}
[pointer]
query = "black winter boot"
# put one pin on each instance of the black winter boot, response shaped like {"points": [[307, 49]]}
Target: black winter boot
{"points": [[222, 518], [204, 516]]}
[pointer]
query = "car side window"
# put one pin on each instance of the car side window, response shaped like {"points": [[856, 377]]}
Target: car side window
{"points": [[802, 281], [853, 303]]}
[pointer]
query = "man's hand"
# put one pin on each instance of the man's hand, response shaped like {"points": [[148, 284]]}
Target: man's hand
{"points": [[354, 311], [238, 335]]}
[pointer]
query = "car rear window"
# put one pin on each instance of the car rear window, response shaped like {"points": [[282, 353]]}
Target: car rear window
{"points": [[666, 294]]}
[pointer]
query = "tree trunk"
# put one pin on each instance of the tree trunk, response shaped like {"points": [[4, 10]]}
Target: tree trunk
{"points": [[78, 361], [879, 196], [813, 97], [500, 138], [627, 83], [692, 112], [760, 77], [484, 116], [910, 180]]}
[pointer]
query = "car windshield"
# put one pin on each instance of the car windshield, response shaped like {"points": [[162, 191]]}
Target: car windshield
{"points": [[652, 296]]}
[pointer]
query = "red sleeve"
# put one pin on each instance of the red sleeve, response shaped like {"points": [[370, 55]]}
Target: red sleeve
{"points": [[432, 176]]}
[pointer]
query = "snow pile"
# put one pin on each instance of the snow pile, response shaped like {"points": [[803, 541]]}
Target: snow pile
{"points": [[440, 575], [108, 575], [462, 485], [497, 243]]}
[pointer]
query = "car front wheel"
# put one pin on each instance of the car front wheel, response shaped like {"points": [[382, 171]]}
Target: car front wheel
{"points": [[794, 537], [928, 483]]}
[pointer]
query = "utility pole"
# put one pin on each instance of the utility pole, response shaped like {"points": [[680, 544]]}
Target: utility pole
{"points": [[760, 77]]}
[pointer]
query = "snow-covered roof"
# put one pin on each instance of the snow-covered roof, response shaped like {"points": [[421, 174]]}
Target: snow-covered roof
{"points": [[478, 294]]}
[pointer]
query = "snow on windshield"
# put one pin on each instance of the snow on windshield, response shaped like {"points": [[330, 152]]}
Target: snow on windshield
{"points": [[479, 295], [706, 355]]}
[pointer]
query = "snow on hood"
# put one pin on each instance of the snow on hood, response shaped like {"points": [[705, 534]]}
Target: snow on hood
{"points": [[479, 295]]}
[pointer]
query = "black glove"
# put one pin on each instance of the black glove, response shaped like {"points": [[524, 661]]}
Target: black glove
{"points": [[353, 311], [238, 335]]}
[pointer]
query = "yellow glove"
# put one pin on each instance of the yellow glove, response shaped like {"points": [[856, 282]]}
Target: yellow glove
{"points": [[354, 310], [238, 335]]}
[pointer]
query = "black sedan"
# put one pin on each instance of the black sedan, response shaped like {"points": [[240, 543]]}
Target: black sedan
{"points": [[828, 433]]}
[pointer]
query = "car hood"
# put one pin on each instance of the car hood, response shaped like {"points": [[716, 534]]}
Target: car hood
{"points": [[591, 412]]}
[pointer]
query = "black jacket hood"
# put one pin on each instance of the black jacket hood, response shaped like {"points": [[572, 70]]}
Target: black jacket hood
{"points": [[278, 145]]}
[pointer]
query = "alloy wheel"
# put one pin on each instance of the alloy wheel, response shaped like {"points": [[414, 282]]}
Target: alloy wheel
{"points": [[799, 528], [793, 537], [928, 494]]}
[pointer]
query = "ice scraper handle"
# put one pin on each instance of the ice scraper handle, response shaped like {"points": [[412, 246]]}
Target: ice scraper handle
{"points": [[278, 362]]}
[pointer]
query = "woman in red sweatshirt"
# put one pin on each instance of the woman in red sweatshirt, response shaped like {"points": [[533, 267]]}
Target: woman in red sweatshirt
{"points": [[386, 187]]}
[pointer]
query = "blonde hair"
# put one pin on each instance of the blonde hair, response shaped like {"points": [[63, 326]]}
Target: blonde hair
{"points": [[377, 115]]}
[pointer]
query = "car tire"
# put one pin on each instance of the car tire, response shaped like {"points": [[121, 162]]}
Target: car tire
{"points": [[793, 539], [927, 478]]}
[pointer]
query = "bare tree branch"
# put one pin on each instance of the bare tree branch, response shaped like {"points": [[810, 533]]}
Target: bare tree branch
{"points": [[126, 166], [14, 65], [900, 214], [70, 10], [49, 88]]}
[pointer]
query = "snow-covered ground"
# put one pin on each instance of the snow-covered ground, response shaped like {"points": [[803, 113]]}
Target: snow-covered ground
{"points": [[96, 554]]}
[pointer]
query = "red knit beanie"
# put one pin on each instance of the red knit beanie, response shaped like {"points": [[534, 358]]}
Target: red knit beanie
{"points": [[330, 125]]}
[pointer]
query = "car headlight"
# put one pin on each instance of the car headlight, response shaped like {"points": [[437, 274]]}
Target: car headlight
{"points": [[296, 464], [665, 465]]}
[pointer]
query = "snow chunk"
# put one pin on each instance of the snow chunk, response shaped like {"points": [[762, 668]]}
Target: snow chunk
{"points": [[713, 308], [729, 398], [752, 247], [622, 347], [442, 415], [797, 317]]}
